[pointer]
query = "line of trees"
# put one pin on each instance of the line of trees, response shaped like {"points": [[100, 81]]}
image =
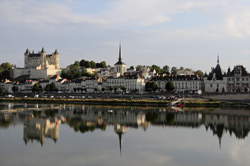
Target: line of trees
{"points": [[37, 88], [78, 69], [173, 71], [151, 86]]}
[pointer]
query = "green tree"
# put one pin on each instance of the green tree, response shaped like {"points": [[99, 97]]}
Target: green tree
{"points": [[174, 70], [123, 88], [15, 89], [156, 68], [166, 69], [101, 65], [151, 86], [1, 91], [169, 86], [37, 88], [5, 71], [92, 64], [199, 73], [51, 87]]}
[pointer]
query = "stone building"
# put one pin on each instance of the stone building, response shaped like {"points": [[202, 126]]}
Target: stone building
{"points": [[38, 65], [238, 79]]}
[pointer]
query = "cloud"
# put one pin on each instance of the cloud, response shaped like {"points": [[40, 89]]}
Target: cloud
{"points": [[32, 12], [238, 24]]}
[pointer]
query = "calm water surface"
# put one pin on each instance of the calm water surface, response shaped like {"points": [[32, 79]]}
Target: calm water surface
{"points": [[78, 135]]}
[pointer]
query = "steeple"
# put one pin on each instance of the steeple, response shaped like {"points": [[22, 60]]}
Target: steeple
{"points": [[120, 53], [218, 59], [120, 141], [120, 56]]}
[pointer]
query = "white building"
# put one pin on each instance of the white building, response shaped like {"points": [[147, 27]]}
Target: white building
{"points": [[238, 80], [39, 65], [182, 84], [130, 84]]}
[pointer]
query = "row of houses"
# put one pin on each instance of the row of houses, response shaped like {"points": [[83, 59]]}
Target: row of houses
{"points": [[217, 81]]}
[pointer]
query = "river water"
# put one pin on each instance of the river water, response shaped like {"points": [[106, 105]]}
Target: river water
{"points": [[80, 135]]}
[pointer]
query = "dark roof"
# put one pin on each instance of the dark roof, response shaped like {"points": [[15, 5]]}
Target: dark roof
{"points": [[217, 71], [239, 69]]}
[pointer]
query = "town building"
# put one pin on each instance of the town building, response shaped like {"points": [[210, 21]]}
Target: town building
{"points": [[129, 84], [238, 80], [216, 81], [183, 83], [38, 65]]}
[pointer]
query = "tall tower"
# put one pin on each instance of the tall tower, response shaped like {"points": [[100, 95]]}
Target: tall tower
{"points": [[57, 59], [120, 53], [26, 54], [120, 67]]}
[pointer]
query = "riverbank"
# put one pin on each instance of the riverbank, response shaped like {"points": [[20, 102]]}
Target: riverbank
{"points": [[94, 101], [187, 102]]}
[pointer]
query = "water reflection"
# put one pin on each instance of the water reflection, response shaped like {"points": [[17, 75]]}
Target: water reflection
{"points": [[42, 122]]}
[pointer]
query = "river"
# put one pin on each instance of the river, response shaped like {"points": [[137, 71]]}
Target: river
{"points": [[81, 135]]}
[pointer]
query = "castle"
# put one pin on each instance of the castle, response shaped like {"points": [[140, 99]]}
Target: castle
{"points": [[38, 65]]}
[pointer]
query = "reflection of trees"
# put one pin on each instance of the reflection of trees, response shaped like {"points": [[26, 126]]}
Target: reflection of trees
{"points": [[87, 119], [78, 125]]}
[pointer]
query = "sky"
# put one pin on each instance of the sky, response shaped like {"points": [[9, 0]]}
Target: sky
{"points": [[189, 33]]}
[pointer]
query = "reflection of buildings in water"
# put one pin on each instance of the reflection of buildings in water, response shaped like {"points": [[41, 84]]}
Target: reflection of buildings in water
{"points": [[85, 119], [125, 118], [238, 125], [39, 129]]}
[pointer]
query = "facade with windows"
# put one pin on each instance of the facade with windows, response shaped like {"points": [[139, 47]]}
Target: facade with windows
{"points": [[182, 84], [238, 80]]}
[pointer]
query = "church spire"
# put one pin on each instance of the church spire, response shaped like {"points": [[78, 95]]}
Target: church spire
{"points": [[218, 59], [120, 142], [120, 53]]}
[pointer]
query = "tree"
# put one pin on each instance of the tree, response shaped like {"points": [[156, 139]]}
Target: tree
{"points": [[169, 86], [166, 69], [151, 86], [1, 91], [123, 88], [199, 73], [101, 65], [51, 87], [92, 64], [156, 68], [15, 89], [174, 70], [5, 71], [37, 88]]}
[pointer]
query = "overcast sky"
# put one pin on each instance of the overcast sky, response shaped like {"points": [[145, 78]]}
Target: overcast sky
{"points": [[187, 33]]}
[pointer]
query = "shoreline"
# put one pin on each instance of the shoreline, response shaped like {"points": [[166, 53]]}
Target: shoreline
{"points": [[187, 102]]}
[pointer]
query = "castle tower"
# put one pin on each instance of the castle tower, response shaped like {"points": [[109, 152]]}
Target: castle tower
{"points": [[26, 54], [57, 59], [43, 59]]}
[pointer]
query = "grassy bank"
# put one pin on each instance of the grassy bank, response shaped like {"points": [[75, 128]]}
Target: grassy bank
{"points": [[96, 101], [130, 102]]}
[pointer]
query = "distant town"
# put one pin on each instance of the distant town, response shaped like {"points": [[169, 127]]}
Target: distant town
{"points": [[42, 73]]}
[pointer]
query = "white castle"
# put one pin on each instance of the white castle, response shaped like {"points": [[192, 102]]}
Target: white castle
{"points": [[39, 65]]}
